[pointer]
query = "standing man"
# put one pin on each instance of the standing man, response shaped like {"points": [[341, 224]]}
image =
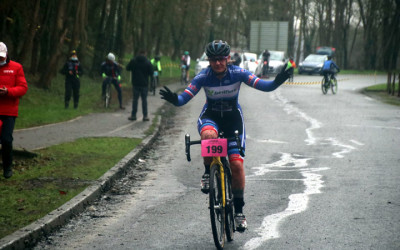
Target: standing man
{"points": [[72, 70], [142, 70], [12, 86]]}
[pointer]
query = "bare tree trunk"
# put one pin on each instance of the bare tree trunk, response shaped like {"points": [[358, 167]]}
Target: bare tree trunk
{"points": [[27, 47], [58, 36]]}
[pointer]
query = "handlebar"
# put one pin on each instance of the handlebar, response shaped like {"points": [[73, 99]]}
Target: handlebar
{"points": [[188, 143]]}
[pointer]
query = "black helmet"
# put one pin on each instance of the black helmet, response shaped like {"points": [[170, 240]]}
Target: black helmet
{"points": [[218, 48]]}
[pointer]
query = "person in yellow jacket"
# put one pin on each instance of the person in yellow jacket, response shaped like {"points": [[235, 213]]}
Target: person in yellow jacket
{"points": [[156, 62]]}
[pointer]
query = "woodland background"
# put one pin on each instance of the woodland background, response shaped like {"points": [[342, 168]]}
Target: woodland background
{"points": [[41, 33]]}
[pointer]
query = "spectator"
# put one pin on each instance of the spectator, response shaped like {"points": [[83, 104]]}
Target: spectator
{"points": [[72, 70], [12, 86], [142, 70]]}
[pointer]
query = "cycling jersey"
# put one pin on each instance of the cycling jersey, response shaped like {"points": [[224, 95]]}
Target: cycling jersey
{"points": [[222, 109], [222, 94], [329, 65]]}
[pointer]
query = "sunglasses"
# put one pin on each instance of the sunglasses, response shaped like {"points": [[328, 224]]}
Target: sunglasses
{"points": [[218, 58]]}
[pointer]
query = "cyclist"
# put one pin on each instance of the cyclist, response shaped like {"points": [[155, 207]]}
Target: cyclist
{"points": [[156, 62], [330, 68], [265, 61], [111, 71], [185, 61], [236, 60], [222, 111]]}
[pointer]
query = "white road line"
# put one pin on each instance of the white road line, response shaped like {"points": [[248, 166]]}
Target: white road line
{"points": [[377, 127], [357, 142], [119, 128], [297, 202]]}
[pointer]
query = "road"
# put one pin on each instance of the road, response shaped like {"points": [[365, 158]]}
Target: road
{"points": [[322, 172]]}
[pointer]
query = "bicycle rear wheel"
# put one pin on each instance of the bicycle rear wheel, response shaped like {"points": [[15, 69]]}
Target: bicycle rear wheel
{"points": [[229, 216], [324, 86], [153, 86], [183, 77], [217, 211], [107, 98], [334, 85]]}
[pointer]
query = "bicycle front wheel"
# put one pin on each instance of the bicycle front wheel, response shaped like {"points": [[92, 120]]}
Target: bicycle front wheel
{"points": [[183, 77], [324, 87], [107, 98], [334, 86], [229, 216], [217, 210]]}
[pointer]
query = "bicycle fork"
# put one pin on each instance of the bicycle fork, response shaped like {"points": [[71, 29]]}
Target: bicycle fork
{"points": [[217, 161]]}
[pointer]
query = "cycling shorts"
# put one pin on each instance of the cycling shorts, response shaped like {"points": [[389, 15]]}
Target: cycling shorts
{"points": [[226, 122]]}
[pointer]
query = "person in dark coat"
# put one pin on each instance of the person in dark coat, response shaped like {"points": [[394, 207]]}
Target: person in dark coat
{"points": [[72, 70], [142, 70]]}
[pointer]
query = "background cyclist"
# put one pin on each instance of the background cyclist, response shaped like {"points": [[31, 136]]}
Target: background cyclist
{"points": [[222, 112], [111, 71], [329, 68], [156, 62], [185, 60]]}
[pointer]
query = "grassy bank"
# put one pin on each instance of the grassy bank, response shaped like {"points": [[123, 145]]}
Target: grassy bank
{"points": [[44, 183], [379, 92], [39, 107]]}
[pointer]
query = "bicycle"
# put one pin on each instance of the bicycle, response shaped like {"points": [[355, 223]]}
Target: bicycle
{"points": [[154, 83], [220, 193], [107, 94], [331, 83], [184, 79]]}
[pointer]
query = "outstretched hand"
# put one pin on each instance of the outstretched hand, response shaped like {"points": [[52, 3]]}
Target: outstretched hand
{"points": [[286, 72], [169, 96]]}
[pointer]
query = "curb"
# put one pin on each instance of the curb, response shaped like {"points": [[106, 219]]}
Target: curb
{"points": [[29, 235]]}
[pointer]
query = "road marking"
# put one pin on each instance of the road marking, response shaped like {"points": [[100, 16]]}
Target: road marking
{"points": [[264, 140], [357, 142], [378, 127], [119, 128], [312, 181], [297, 202]]}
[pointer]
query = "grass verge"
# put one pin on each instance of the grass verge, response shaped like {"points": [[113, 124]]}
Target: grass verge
{"points": [[41, 184], [379, 92]]}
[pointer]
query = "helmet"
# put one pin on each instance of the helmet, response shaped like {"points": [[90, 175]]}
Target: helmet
{"points": [[218, 48], [111, 57], [186, 52]]}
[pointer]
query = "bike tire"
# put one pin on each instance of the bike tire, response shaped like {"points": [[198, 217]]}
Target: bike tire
{"points": [[217, 211], [334, 86], [153, 86], [229, 213], [324, 87], [107, 98]]}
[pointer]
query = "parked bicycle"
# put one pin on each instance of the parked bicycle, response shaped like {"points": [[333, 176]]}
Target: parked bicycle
{"points": [[184, 79], [154, 83], [220, 193], [329, 82]]}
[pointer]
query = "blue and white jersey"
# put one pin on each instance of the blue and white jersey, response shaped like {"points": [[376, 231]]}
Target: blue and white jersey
{"points": [[222, 94]]}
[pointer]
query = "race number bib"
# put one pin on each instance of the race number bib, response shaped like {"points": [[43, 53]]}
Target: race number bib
{"points": [[214, 147]]}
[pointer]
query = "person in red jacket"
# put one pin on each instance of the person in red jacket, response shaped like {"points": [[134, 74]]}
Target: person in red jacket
{"points": [[12, 86]]}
